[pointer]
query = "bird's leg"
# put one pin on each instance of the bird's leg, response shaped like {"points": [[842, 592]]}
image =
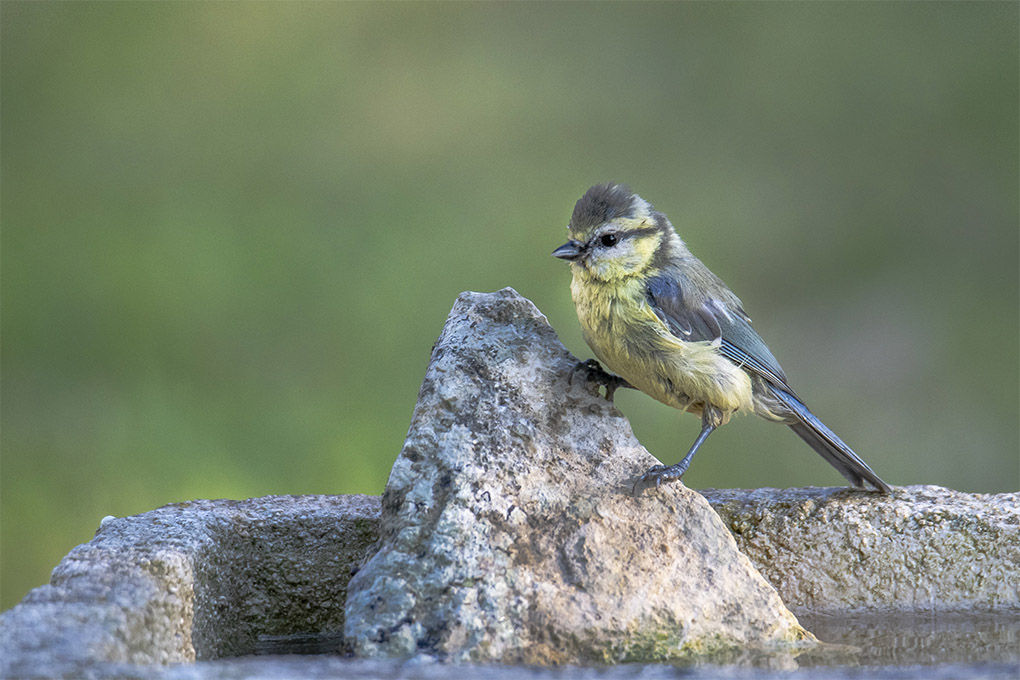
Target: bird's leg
{"points": [[711, 418], [594, 373]]}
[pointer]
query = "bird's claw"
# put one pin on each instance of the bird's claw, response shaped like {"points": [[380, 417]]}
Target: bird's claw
{"points": [[656, 476], [598, 376]]}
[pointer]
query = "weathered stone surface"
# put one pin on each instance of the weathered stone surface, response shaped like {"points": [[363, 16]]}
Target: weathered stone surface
{"points": [[193, 580], [510, 532], [922, 548]]}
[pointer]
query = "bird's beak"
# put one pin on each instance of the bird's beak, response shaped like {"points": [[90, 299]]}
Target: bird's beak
{"points": [[571, 250]]}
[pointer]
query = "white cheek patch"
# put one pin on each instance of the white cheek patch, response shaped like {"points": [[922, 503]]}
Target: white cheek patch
{"points": [[629, 256]]}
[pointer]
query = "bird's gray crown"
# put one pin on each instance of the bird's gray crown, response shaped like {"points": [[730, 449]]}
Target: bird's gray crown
{"points": [[601, 203]]}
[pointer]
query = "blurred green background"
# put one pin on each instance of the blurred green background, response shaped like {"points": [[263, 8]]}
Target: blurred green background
{"points": [[232, 232]]}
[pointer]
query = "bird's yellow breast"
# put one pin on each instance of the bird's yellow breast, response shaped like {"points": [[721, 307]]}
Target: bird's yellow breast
{"points": [[625, 334]]}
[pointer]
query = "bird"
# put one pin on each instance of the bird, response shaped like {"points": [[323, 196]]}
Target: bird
{"points": [[664, 324]]}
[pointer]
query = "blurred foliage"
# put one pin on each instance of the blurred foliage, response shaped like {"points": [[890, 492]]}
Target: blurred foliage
{"points": [[231, 232]]}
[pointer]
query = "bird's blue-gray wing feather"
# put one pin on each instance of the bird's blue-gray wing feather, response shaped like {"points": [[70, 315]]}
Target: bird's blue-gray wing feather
{"points": [[714, 320]]}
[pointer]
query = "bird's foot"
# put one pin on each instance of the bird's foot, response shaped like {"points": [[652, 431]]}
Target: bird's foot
{"points": [[658, 475], [598, 377]]}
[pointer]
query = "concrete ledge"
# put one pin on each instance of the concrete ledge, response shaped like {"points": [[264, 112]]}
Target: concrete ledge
{"points": [[213, 579], [198, 580], [920, 549]]}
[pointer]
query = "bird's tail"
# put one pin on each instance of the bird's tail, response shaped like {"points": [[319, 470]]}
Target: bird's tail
{"points": [[823, 440]]}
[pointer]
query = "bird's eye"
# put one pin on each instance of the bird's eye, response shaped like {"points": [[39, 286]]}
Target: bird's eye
{"points": [[608, 240]]}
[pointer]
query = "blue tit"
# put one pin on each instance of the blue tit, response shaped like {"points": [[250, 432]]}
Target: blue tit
{"points": [[658, 318]]}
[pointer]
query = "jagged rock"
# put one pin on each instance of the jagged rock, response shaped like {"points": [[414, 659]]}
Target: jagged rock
{"points": [[510, 531], [203, 579], [922, 548]]}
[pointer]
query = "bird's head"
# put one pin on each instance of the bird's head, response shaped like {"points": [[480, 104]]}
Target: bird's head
{"points": [[616, 234]]}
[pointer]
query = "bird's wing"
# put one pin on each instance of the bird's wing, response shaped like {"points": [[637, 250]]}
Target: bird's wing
{"points": [[716, 321], [726, 323]]}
